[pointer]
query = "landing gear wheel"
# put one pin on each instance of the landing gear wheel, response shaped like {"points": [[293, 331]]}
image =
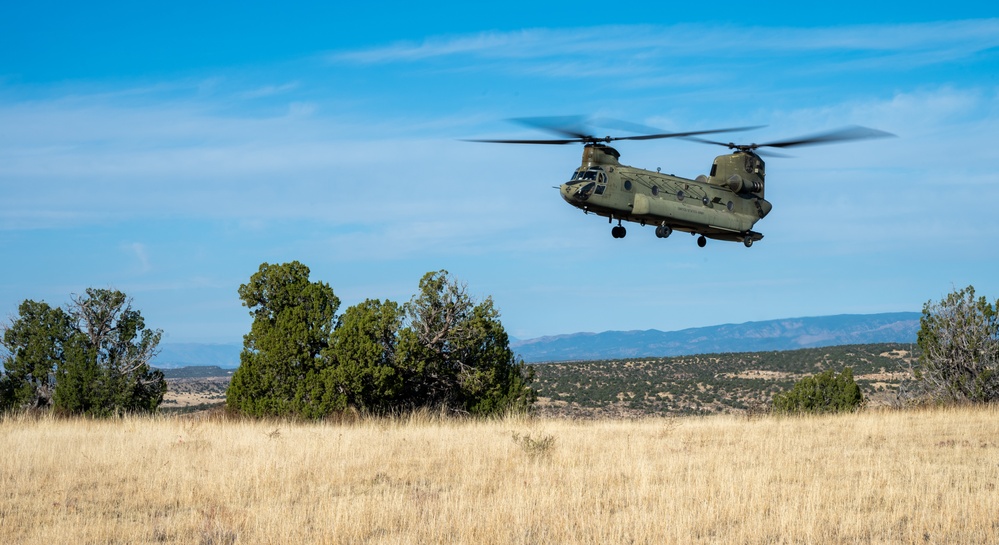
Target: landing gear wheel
{"points": [[664, 231], [618, 231], [748, 241], [701, 241]]}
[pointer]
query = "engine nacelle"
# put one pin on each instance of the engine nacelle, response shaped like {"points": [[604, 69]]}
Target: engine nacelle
{"points": [[743, 172], [738, 184]]}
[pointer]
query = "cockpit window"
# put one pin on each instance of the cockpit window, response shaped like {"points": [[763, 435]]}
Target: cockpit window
{"points": [[591, 174]]}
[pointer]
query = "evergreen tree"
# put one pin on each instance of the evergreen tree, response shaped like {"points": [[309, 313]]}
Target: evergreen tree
{"points": [[105, 369], [822, 393], [280, 371], [363, 372], [35, 342], [295, 361], [456, 353], [959, 342]]}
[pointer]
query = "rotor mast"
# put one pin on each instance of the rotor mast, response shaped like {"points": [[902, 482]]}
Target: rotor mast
{"points": [[600, 155]]}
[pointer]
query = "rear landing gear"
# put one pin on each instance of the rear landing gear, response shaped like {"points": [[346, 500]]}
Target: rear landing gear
{"points": [[701, 241], [748, 241]]}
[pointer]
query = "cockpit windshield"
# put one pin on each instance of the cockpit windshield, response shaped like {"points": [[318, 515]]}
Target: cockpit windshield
{"points": [[591, 174]]}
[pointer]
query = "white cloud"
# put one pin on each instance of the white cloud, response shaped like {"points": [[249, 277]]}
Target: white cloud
{"points": [[141, 254], [267, 91], [945, 39]]}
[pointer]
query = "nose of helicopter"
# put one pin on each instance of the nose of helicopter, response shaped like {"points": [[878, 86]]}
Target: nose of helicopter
{"points": [[576, 192]]}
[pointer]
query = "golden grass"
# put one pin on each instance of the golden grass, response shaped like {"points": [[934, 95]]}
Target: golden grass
{"points": [[877, 477]]}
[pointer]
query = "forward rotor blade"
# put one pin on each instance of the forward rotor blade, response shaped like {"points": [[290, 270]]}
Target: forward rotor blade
{"points": [[617, 124], [572, 141], [567, 125], [573, 127]]}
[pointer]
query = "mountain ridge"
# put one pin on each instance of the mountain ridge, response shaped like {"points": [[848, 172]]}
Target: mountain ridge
{"points": [[780, 334]]}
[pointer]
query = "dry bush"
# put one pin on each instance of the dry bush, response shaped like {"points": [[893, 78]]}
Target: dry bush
{"points": [[535, 448]]}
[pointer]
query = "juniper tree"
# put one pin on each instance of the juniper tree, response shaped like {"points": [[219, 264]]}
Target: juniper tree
{"points": [[959, 349], [105, 369], [363, 371], [34, 341], [280, 371], [822, 393], [457, 354]]}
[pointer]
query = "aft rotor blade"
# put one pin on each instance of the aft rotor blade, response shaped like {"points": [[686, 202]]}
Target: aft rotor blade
{"points": [[854, 132], [685, 134], [768, 153], [844, 134], [705, 141]]}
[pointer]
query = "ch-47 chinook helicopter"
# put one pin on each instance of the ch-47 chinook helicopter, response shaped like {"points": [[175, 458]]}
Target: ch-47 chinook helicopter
{"points": [[724, 205]]}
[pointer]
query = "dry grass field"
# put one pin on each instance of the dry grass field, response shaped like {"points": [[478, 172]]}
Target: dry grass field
{"points": [[928, 476]]}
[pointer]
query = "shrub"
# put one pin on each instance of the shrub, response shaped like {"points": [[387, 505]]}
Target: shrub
{"points": [[822, 393], [535, 448]]}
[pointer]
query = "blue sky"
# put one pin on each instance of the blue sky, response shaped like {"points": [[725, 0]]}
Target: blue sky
{"points": [[168, 151]]}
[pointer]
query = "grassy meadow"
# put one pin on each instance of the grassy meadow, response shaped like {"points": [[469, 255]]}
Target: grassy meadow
{"points": [[926, 476]]}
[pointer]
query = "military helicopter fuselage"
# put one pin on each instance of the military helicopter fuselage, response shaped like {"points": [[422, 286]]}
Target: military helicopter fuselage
{"points": [[723, 205]]}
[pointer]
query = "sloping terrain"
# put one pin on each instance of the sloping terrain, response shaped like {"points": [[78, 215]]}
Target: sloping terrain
{"points": [[712, 383], [191, 389]]}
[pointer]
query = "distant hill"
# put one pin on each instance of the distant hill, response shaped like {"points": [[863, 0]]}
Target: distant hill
{"points": [[176, 355], [196, 372], [785, 334]]}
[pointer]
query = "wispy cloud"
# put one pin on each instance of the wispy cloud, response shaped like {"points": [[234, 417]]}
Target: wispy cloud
{"points": [[141, 254], [946, 39], [269, 90]]}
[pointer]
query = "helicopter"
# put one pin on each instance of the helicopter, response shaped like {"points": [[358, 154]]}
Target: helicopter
{"points": [[723, 205]]}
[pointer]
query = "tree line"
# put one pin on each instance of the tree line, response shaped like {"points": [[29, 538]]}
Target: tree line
{"points": [[301, 358], [441, 349]]}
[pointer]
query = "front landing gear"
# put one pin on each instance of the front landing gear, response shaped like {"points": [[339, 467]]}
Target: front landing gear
{"points": [[618, 231], [701, 241]]}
